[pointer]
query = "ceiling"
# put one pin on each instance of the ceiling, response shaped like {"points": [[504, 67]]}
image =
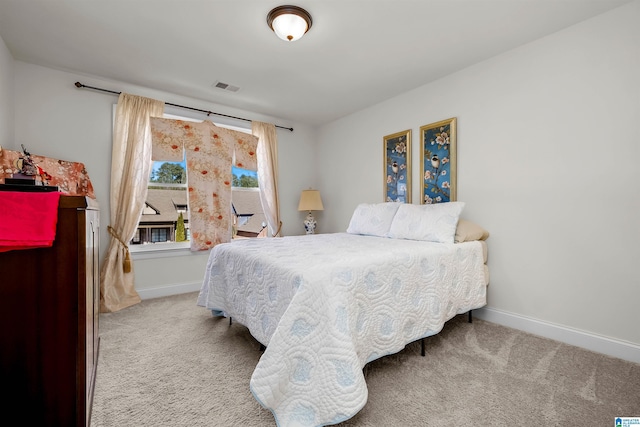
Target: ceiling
{"points": [[357, 53]]}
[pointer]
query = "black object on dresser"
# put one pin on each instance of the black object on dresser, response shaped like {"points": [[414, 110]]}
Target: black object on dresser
{"points": [[49, 311]]}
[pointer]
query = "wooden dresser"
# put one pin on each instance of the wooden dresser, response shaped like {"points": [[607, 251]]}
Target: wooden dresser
{"points": [[49, 308]]}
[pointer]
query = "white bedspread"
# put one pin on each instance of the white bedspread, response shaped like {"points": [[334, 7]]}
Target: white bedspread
{"points": [[326, 304]]}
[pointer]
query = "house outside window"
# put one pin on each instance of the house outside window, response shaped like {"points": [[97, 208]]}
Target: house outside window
{"points": [[165, 212], [249, 219]]}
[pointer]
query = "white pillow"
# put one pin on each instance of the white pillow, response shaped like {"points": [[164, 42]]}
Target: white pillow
{"points": [[373, 219], [434, 222]]}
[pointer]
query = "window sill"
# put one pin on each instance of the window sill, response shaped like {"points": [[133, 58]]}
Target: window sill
{"points": [[167, 250], [161, 250]]}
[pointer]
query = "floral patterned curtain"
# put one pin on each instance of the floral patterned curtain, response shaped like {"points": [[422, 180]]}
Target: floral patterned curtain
{"points": [[210, 152]]}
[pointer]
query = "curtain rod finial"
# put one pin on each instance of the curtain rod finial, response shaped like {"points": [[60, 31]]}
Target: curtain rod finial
{"points": [[78, 84]]}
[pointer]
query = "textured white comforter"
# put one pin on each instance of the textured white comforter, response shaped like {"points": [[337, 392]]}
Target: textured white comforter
{"points": [[326, 304]]}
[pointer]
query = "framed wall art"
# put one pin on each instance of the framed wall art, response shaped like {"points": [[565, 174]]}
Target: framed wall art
{"points": [[438, 145], [397, 167]]}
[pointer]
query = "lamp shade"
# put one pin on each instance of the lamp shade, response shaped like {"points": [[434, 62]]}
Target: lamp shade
{"points": [[310, 201], [289, 22]]}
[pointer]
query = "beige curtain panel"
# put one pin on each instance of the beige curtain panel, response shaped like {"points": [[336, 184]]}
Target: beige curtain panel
{"points": [[268, 173], [130, 168]]}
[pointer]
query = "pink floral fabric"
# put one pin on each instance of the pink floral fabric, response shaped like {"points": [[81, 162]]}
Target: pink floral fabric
{"points": [[70, 177], [210, 152]]}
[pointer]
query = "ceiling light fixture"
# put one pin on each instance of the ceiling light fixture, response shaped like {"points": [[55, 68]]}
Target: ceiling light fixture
{"points": [[289, 22]]}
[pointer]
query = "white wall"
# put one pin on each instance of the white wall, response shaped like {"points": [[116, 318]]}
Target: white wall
{"points": [[54, 118], [548, 151], [6, 97], [548, 145]]}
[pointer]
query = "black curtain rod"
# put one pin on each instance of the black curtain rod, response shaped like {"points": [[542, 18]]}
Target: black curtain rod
{"points": [[80, 85]]}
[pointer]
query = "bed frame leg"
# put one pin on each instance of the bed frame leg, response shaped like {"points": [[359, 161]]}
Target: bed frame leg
{"points": [[470, 318], [230, 320]]}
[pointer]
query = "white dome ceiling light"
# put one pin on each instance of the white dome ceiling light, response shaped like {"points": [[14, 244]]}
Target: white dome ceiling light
{"points": [[289, 23]]}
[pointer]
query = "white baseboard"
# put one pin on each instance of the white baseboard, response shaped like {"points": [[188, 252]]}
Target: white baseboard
{"points": [[597, 343], [165, 291]]}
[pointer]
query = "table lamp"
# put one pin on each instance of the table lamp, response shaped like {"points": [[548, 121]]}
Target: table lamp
{"points": [[310, 201]]}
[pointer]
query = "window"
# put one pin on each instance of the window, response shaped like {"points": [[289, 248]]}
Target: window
{"points": [[159, 234], [164, 217], [249, 218], [164, 222]]}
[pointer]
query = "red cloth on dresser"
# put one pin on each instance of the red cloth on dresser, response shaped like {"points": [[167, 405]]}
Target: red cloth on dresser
{"points": [[28, 219]]}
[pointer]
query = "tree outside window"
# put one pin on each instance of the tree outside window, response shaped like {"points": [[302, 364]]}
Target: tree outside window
{"points": [[244, 178], [169, 173]]}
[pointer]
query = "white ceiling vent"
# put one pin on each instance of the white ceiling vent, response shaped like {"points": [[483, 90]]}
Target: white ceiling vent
{"points": [[226, 86]]}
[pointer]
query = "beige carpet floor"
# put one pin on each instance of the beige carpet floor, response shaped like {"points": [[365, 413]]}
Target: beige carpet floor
{"points": [[168, 362]]}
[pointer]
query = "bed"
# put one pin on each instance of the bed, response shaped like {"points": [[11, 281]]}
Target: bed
{"points": [[324, 305]]}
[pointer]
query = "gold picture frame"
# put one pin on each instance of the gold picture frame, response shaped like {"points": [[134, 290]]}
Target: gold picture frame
{"points": [[397, 167], [439, 162]]}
